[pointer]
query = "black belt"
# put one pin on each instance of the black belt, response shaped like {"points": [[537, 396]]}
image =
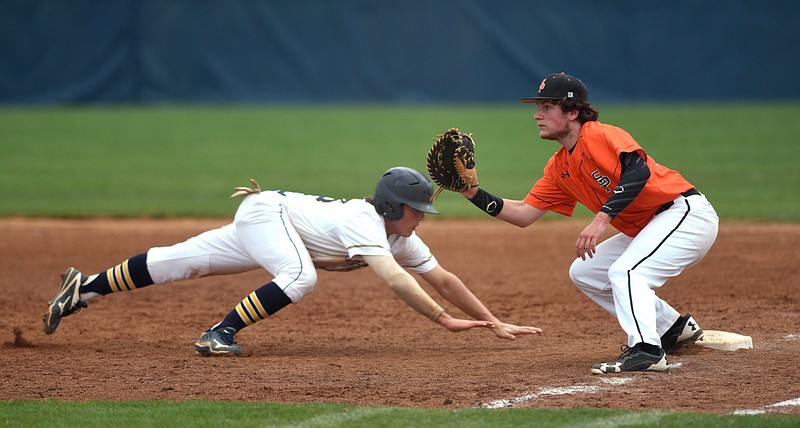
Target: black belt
{"points": [[690, 192], [686, 194]]}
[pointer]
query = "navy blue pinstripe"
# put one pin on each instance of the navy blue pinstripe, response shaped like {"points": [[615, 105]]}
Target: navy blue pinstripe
{"points": [[296, 251], [630, 295]]}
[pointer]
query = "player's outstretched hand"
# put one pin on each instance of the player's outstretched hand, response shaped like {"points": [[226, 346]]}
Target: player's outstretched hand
{"points": [[509, 331], [456, 324]]}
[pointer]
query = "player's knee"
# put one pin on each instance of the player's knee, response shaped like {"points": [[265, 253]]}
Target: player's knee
{"points": [[578, 273], [299, 285]]}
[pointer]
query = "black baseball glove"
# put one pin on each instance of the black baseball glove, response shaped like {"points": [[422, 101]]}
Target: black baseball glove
{"points": [[451, 162]]}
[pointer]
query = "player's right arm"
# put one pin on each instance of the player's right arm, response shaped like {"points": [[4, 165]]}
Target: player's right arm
{"points": [[407, 288]]}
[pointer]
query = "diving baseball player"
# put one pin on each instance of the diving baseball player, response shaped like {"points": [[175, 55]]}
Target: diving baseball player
{"points": [[290, 235]]}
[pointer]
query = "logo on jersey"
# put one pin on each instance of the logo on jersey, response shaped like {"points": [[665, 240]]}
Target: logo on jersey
{"points": [[602, 180]]}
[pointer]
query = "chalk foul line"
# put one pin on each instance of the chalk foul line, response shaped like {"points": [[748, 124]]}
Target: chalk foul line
{"points": [[766, 409], [558, 390]]}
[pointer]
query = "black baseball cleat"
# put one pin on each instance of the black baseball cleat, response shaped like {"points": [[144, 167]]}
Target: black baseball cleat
{"points": [[684, 332], [634, 359], [218, 343], [66, 302]]}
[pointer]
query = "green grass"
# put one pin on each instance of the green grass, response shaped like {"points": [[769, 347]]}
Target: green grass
{"points": [[243, 415], [183, 161]]}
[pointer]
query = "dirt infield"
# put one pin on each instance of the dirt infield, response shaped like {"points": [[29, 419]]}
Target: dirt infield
{"points": [[352, 341]]}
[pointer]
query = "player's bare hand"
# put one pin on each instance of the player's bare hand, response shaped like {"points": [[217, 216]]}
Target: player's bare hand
{"points": [[510, 331], [586, 245], [456, 324]]}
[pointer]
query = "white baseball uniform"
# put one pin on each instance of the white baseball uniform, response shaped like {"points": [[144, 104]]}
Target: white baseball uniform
{"points": [[290, 235]]}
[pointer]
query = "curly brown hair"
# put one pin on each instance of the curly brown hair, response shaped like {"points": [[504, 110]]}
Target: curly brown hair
{"points": [[586, 111]]}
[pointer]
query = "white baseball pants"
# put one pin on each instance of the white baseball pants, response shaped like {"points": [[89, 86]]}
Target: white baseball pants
{"points": [[624, 272]]}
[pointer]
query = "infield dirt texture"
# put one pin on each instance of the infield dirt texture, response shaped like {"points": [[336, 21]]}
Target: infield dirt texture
{"points": [[353, 341]]}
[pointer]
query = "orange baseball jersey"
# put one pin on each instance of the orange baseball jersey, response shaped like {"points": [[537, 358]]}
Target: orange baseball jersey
{"points": [[590, 173]]}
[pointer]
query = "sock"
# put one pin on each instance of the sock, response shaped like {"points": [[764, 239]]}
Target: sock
{"points": [[650, 349], [128, 275], [257, 306]]}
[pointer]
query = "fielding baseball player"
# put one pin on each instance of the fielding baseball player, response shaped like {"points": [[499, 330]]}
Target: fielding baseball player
{"points": [[290, 235], [666, 224]]}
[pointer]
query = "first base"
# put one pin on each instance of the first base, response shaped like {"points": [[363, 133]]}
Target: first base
{"points": [[725, 341]]}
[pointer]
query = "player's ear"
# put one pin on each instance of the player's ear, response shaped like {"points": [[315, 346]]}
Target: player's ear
{"points": [[390, 208], [573, 114]]}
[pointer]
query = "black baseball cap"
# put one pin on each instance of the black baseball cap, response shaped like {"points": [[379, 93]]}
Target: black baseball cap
{"points": [[560, 85]]}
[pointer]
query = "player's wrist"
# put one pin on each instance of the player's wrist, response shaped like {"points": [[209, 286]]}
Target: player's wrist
{"points": [[489, 203], [603, 217], [470, 193]]}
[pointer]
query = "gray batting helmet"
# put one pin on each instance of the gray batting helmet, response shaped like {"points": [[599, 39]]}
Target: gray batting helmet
{"points": [[401, 185]]}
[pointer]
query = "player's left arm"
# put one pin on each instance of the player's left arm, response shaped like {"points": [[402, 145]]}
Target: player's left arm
{"points": [[450, 286], [515, 212], [632, 180]]}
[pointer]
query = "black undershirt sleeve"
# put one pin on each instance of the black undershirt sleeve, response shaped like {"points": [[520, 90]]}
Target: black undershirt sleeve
{"points": [[635, 174]]}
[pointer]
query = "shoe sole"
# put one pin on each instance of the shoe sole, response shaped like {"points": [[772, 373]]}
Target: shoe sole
{"points": [[204, 350], [600, 372], [56, 307]]}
